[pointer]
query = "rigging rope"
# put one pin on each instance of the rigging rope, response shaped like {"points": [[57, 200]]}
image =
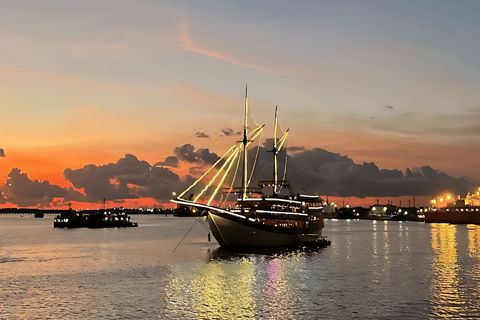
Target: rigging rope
{"points": [[226, 122], [216, 175], [231, 184], [220, 184], [256, 157], [284, 171], [199, 179]]}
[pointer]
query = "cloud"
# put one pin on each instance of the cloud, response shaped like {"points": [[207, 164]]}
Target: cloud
{"points": [[188, 44], [296, 149], [200, 134], [229, 132], [169, 162], [196, 171], [19, 189], [129, 178], [2, 153], [326, 173], [315, 170], [201, 156]]}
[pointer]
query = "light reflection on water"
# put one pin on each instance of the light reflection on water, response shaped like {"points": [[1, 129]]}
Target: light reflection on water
{"points": [[456, 278], [233, 286], [378, 270]]}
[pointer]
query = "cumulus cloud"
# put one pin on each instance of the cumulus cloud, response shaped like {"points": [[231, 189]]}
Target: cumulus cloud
{"points": [[315, 171], [323, 172], [171, 161], [200, 134], [188, 153], [229, 132], [129, 178], [19, 189], [2, 153]]}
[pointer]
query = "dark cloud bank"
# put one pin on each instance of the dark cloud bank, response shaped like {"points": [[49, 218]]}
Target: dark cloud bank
{"points": [[20, 190], [129, 178], [315, 171], [326, 173]]}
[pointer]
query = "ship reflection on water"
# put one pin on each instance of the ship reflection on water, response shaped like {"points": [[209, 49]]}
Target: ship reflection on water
{"points": [[455, 290], [232, 285]]}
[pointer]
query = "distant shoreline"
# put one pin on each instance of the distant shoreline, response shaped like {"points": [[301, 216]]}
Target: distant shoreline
{"points": [[7, 211]]}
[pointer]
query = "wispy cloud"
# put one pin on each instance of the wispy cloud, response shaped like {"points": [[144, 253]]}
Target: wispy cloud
{"points": [[188, 44]]}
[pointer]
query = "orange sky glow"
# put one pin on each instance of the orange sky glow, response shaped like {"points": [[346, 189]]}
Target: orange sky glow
{"points": [[397, 88]]}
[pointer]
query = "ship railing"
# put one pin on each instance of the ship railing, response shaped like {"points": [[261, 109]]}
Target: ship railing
{"points": [[272, 183], [240, 190]]}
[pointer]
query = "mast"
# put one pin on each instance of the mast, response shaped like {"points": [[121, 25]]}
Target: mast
{"points": [[245, 141], [277, 146], [274, 151]]}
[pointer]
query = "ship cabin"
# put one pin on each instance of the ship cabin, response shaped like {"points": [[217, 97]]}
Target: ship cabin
{"points": [[461, 205], [292, 211]]}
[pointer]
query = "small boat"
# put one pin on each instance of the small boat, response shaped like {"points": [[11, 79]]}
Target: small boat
{"points": [[39, 214], [93, 219], [255, 219]]}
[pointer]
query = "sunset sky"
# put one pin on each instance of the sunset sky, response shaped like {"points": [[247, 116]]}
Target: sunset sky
{"points": [[84, 83]]}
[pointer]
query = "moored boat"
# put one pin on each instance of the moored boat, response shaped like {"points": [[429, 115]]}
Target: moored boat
{"points": [[255, 219], [39, 214], [458, 211], [93, 219]]}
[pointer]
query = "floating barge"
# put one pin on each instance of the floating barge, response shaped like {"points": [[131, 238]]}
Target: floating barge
{"points": [[95, 219]]}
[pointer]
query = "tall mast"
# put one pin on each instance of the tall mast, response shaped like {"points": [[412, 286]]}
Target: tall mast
{"points": [[245, 141], [277, 146], [274, 151]]}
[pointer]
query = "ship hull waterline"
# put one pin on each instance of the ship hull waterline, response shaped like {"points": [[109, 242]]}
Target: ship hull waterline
{"points": [[232, 233]]}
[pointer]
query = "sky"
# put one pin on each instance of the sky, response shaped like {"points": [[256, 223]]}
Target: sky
{"points": [[98, 99]]}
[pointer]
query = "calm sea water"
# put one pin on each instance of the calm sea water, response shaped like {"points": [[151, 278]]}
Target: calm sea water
{"points": [[382, 270]]}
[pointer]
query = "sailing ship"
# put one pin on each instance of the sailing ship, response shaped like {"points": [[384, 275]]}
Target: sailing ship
{"points": [[256, 219]]}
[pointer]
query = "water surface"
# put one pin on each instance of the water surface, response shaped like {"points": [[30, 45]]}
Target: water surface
{"points": [[393, 270]]}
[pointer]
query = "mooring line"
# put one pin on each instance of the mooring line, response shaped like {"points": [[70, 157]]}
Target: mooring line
{"points": [[184, 236]]}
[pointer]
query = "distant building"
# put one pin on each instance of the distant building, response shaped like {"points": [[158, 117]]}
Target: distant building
{"points": [[383, 211]]}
